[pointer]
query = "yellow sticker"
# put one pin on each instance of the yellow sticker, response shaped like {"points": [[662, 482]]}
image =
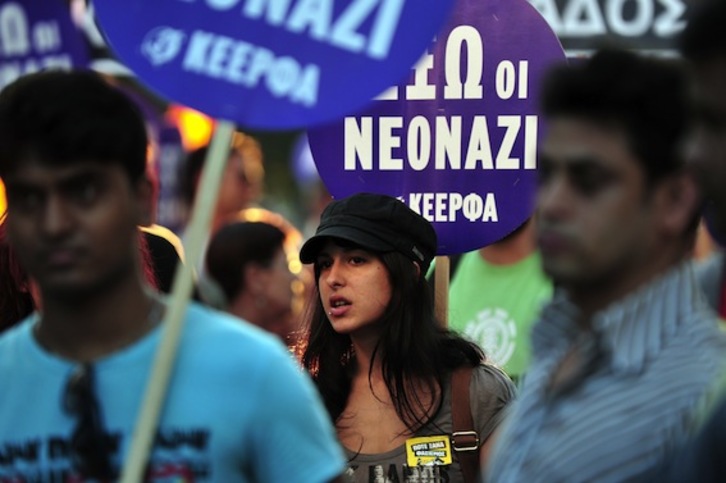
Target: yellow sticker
{"points": [[428, 450]]}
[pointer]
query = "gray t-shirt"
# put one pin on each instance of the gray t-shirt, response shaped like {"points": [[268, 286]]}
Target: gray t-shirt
{"points": [[490, 390]]}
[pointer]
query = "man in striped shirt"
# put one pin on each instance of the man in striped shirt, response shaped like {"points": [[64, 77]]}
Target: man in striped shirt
{"points": [[627, 354], [703, 44]]}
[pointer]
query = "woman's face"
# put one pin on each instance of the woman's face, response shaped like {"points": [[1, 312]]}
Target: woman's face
{"points": [[355, 287]]}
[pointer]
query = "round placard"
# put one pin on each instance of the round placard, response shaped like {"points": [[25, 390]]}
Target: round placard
{"points": [[37, 35], [271, 64], [458, 141]]}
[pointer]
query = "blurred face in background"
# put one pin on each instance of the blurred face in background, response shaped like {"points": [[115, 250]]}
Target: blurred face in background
{"points": [[235, 190]]}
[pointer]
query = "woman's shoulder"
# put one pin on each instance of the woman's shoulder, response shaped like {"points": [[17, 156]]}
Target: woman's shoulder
{"points": [[489, 381]]}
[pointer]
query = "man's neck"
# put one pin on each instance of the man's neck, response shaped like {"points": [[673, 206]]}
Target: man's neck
{"points": [[98, 326], [591, 299]]}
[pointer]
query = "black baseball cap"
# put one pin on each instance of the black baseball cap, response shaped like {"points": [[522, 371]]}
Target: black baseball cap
{"points": [[376, 222]]}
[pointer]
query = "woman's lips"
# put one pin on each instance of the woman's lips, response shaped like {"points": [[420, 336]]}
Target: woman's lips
{"points": [[339, 306]]}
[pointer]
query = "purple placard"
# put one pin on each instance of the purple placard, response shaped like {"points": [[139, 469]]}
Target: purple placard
{"points": [[458, 142], [37, 35], [271, 64]]}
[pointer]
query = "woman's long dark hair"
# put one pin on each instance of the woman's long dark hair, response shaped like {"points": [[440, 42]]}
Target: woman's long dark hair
{"points": [[413, 348]]}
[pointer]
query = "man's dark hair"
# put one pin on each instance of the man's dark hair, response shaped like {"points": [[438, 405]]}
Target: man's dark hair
{"points": [[704, 37], [645, 97], [238, 245], [63, 117]]}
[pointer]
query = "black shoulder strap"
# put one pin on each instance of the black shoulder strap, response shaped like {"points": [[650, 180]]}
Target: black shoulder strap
{"points": [[464, 438]]}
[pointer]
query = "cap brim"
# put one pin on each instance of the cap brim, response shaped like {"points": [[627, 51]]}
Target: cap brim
{"points": [[312, 247]]}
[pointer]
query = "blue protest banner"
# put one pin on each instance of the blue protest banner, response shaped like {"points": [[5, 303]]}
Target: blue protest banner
{"points": [[37, 35], [271, 64], [458, 141]]}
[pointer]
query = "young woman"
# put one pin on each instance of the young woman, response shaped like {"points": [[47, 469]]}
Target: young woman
{"points": [[380, 359]]}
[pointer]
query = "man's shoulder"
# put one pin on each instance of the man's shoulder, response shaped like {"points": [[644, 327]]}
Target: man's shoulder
{"points": [[11, 337], [207, 321], [214, 333]]}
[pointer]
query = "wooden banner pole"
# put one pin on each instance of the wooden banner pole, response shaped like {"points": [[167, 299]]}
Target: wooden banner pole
{"points": [[148, 418], [441, 283]]}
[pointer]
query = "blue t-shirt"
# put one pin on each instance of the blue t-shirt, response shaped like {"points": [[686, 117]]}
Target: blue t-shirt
{"points": [[238, 408]]}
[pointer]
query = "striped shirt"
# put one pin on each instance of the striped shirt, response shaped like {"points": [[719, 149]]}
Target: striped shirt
{"points": [[651, 363]]}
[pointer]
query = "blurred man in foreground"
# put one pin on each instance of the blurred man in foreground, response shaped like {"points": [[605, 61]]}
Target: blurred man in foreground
{"points": [[627, 351]]}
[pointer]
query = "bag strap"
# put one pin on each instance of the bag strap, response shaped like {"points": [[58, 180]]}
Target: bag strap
{"points": [[464, 438]]}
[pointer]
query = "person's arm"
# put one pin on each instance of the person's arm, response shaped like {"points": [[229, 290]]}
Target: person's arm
{"points": [[293, 440], [486, 447], [491, 391]]}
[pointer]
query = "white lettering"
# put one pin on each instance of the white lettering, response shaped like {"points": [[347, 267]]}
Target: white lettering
{"points": [[307, 89], [387, 142], [504, 159], [358, 143], [490, 209], [283, 76], [638, 25], [220, 4], [419, 143], [241, 63], [471, 87], [548, 10], [218, 55], [421, 89], [14, 39], [344, 34], [316, 19], [46, 36], [313, 14], [448, 142], [195, 57], [480, 149], [275, 9], [530, 142], [446, 207], [11, 71], [442, 138], [671, 21], [238, 59], [582, 18], [390, 94], [384, 27], [261, 61]]}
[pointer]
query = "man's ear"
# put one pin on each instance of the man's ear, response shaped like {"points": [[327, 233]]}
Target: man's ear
{"points": [[679, 203], [146, 200]]}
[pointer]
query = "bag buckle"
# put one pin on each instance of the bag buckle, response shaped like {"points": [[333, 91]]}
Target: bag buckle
{"points": [[465, 441]]}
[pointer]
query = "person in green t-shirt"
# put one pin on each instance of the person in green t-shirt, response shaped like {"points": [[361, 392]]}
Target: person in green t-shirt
{"points": [[495, 296]]}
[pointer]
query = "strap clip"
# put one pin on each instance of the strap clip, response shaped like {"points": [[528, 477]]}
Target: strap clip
{"points": [[465, 441]]}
